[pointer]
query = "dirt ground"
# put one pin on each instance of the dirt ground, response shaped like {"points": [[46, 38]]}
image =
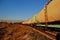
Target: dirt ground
{"points": [[9, 31]]}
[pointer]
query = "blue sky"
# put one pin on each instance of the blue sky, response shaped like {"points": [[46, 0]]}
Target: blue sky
{"points": [[20, 9]]}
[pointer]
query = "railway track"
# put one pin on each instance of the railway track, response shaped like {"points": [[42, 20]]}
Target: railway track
{"points": [[47, 34], [52, 34]]}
